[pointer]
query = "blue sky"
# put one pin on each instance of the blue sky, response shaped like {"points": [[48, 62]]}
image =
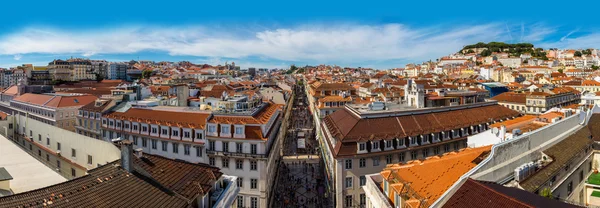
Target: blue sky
{"points": [[379, 34]]}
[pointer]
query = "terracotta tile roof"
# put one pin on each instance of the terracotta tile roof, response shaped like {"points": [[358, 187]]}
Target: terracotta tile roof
{"points": [[261, 117], [594, 126], [55, 101], [162, 117], [481, 194], [561, 153], [429, 179], [187, 179], [13, 90], [105, 186], [511, 97], [334, 98], [348, 128]]}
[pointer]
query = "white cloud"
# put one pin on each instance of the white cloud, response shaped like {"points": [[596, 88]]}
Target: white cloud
{"points": [[17, 57], [341, 43]]}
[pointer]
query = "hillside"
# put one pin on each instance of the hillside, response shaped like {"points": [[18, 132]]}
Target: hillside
{"points": [[515, 49]]}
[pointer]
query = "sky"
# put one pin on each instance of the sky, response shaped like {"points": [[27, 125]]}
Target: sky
{"points": [[276, 34]]}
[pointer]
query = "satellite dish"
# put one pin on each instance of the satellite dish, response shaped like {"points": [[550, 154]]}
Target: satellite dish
{"points": [[495, 130]]}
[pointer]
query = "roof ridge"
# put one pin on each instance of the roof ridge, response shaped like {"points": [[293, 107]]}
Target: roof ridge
{"points": [[499, 193]]}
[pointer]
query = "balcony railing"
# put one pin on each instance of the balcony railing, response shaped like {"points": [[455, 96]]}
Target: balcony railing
{"points": [[235, 154]]}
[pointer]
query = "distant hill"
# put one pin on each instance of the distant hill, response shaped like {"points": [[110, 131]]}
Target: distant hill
{"points": [[514, 49]]}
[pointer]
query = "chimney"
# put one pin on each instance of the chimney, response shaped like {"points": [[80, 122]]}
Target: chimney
{"points": [[126, 155], [139, 153]]}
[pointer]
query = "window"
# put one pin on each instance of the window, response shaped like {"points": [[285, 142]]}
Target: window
{"points": [[388, 159], [47, 157], [446, 147], [186, 134], [30, 133], [570, 188], [401, 156], [39, 137], [165, 132], [135, 140], [225, 130], [186, 149], [225, 162], [211, 145], [253, 149], [240, 182], [348, 182], [58, 165], [363, 180], [425, 153], [362, 162], [580, 176], [48, 141], [436, 150], [163, 145], [362, 146], [456, 146], [225, 146], [198, 151], [376, 161], [153, 143], [211, 161], [211, 129], [238, 147], [73, 172], [348, 201], [144, 142], [198, 135], [239, 130], [413, 155], [253, 165], [144, 128], [363, 200], [73, 152], [175, 148], [375, 145], [175, 133], [239, 164], [253, 202], [388, 144], [348, 164], [240, 201], [39, 153], [90, 161], [253, 183], [154, 130]]}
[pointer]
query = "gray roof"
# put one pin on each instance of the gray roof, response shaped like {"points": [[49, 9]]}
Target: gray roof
{"points": [[4, 175]]}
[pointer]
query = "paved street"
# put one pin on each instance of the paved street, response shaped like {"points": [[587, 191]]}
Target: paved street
{"points": [[300, 182]]}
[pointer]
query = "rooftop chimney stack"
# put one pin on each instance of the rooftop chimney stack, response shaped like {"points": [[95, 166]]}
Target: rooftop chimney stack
{"points": [[127, 155]]}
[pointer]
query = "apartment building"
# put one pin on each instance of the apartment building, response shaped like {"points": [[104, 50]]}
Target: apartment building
{"points": [[56, 109], [242, 144], [60, 70], [170, 132], [358, 142], [540, 100], [318, 90], [90, 116]]}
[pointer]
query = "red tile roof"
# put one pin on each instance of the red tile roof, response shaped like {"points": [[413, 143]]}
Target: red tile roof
{"points": [[196, 120]]}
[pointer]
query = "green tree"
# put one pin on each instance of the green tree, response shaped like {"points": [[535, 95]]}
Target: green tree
{"points": [[99, 77], [146, 74], [586, 52], [470, 51], [486, 52], [594, 67], [577, 54], [546, 192], [560, 71]]}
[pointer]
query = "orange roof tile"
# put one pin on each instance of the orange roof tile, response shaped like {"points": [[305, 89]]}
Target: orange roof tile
{"points": [[432, 177]]}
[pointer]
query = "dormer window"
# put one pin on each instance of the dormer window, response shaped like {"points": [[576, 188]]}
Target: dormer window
{"points": [[375, 145], [400, 142], [212, 129], [225, 130], [362, 146], [239, 130], [165, 131], [186, 134], [175, 133], [144, 128], [388, 144], [413, 141], [154, 130]]}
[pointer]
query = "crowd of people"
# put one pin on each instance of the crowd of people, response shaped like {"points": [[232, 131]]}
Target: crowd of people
{"points": [[299, 186]]}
